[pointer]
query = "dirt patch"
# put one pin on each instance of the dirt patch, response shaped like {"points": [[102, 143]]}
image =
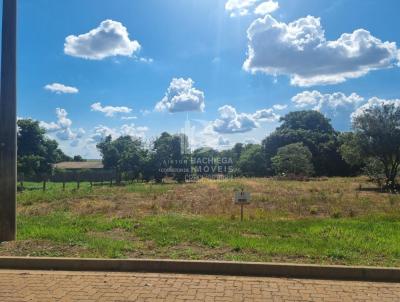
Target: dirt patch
{"points": [[36, 248], [179, 251], [92, 206], [335, 197]]}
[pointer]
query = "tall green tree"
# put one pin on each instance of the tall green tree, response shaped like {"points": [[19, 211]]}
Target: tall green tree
{"points": [[125, 155], [376, 137], [252, 162], [294, 159], [202, 158], [36, 152], [314, 130], [171, 154]]}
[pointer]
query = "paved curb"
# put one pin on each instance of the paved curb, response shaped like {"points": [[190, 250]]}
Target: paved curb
{"points": [[354, 273]]}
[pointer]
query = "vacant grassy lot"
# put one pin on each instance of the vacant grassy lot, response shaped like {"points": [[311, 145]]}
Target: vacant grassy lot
{"points": [[334, 221]]}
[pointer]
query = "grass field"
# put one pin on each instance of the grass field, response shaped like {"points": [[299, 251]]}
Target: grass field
{"points": [[330, 221]]}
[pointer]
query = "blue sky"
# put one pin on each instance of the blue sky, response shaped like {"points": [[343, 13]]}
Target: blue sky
{"points": [[89, 68]]}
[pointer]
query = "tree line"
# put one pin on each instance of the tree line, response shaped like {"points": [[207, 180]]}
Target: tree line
{"points": [[304, 145]]}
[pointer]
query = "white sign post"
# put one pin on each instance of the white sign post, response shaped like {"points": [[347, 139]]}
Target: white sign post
{"points": [[242, 198]]}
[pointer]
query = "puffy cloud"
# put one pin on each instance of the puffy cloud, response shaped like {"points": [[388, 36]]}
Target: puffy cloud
{"points": [[336, 106], [266, 115], [204, 135], [266, 7], [239, 7], [230, 121], [110, 39], [223, 142], [340, 108], [301, 51], [280, 107], [61, 88], [109, 111], [101, 132], [374, 102], [330, 104], [181, 96], [67, 134], [49, 127], [62, 128], [132, 130], [63, 119]]}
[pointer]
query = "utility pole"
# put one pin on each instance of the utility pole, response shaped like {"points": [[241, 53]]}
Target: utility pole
{"points": [[8, 123]]}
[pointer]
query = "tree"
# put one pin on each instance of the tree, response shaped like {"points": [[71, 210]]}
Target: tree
{"points": [[125, 155], [294, 159], [252, 162], [36, 152], [78, 158], [171, 157], [237, 151], [202, 158], [316, 133], [376, 137]]}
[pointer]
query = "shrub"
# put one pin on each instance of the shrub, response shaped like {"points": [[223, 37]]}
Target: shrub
{"points": [[294, 159]]}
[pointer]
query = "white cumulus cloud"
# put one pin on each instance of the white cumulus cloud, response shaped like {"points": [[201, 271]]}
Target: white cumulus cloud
{"points": [[61, 88], [100, 132], [110, 111], [340, 108], [374, 102], [266, 115], [62, 127], [110, 39], [239, 7], [330, 104], [133, 130], [266, 7], [300, 50], [280, 107], [230, 121], [223, 142], [182, 96]]}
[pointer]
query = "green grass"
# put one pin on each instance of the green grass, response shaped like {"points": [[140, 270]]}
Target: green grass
{"points": [[71, 230], [326, 221], [372, 241], [34, 193], [348, 241]]}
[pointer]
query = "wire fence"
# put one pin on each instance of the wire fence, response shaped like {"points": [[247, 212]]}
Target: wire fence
{"points": [[98, 177]]}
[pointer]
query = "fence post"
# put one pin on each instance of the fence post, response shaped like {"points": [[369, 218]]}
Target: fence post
{"points": [[78, 185], [22, 181]]}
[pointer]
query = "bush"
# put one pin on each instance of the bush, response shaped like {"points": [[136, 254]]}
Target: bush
{"points": [[293, 159], [375, 171]]}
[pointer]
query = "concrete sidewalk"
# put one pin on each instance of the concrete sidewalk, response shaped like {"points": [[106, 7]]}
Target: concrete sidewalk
{"points": [[97, 286]]}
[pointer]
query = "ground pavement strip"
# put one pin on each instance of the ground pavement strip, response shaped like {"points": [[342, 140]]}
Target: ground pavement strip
{"points": [[44, 286]]}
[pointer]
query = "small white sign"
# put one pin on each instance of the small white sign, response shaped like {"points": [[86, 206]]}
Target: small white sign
{"points": [[242, 197]]}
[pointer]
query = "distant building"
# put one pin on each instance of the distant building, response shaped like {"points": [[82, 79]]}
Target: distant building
{"points": [[85, 165]]}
